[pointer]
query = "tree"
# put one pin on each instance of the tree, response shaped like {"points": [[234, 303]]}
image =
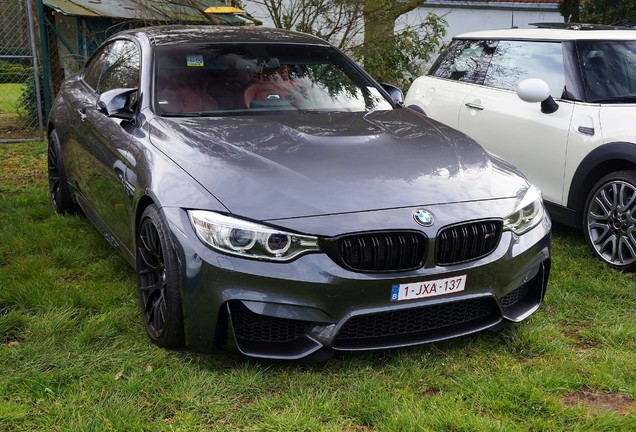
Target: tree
{"points": [[366, 30], [598, 11], [570, 9], [337, 21], [397, 57], [607, 11]]}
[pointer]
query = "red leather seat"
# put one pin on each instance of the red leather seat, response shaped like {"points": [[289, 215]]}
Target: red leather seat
{"points": [[180, 92]]}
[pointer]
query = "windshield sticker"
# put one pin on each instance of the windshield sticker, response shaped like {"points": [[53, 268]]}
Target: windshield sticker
{"points": [[163, 102], [194, 60]]}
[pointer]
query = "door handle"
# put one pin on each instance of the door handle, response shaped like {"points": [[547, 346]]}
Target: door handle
{"points": [[82, 113], [474, 106]]}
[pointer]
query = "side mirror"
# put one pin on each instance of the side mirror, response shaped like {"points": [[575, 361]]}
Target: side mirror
{"points": [[395, 93], [536, 90], [115, 103]]}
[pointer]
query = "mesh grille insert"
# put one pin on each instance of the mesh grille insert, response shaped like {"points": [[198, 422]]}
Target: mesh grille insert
{"points": [[407, 321], [260, 328]]}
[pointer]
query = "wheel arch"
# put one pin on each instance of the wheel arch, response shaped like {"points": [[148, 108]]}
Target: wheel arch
{"points": [[143, 203], [50, 127], [608, 158]]}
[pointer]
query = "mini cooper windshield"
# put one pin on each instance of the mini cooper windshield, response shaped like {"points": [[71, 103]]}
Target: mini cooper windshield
{"points": [[235, 79], [608, 70]]}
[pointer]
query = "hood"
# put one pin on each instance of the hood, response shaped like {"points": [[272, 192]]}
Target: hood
{"points": [[296, 165]]}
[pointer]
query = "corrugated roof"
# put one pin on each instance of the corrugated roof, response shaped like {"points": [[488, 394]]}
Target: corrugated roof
{"points": [[152, 10]]}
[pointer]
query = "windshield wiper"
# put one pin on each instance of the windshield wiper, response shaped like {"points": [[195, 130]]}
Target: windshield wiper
{"points": [[178, 114]]}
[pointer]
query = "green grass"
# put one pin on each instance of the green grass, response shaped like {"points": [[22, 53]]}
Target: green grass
{"points": [[9, 95], [74, 355]]}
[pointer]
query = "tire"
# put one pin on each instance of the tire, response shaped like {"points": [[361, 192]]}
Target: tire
{"points": [[58, 184], [609, 221], [158, 281]]}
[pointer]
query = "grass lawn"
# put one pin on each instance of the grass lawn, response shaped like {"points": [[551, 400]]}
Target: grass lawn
{"points": [[74, 355], [13, 124], [9, 95]]}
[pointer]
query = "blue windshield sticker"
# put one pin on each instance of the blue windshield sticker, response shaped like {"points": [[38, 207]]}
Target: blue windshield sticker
{"points": [[194, 60]]}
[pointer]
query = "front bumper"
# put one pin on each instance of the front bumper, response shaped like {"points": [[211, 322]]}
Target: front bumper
{"points": [[312, 305]]}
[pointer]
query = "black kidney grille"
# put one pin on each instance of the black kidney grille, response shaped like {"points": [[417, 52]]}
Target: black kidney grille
{"points": [[260, 328], [403, 322], [466, 242], [387, 251]]}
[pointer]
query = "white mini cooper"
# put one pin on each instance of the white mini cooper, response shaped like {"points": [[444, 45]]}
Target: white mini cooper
{"points": [[560, 103]]}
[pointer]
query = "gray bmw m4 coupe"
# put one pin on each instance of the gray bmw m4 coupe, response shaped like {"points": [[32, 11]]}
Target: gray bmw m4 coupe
{"points": [[276, 201]]}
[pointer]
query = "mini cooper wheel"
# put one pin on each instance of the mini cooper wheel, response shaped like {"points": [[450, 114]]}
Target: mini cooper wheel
{"points": [[157, 281], [610, 220], [58, 185]]}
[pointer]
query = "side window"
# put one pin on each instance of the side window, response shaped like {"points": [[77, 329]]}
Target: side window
{"points": [[464, 60], [122, 67], [515, 61], [95, 66], [115, 66]]}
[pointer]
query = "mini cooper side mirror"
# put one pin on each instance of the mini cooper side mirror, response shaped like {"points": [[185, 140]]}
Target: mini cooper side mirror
{"points": [[536, 90], [115, 103]]}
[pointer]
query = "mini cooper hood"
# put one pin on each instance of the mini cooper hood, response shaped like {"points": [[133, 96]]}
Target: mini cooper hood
{"points": [[294, 165]]}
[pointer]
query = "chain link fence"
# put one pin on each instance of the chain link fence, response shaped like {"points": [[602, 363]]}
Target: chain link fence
{"points": [[20, 102]]}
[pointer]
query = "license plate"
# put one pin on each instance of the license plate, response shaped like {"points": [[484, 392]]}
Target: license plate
{"points": [[438, 287]]}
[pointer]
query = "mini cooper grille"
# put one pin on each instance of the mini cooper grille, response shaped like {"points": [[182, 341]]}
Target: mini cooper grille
{"points": [[260, 328], [467, 242], [389, 251], [403, 322]]}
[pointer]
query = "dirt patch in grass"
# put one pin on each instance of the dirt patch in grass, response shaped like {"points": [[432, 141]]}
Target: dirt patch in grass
{"points": [[618, 403], [12, 127], [23, 165], [579, 341]]}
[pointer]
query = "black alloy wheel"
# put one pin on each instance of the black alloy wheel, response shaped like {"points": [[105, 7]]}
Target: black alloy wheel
{"points": [[157, 281], [58, 185], [610, 220]]}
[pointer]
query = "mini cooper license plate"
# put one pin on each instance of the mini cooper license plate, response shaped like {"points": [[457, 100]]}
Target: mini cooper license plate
{"points": [[417, 290]]}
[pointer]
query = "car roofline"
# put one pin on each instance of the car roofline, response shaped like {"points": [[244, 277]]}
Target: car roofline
{"points": [[550, 34], [174, 34]]}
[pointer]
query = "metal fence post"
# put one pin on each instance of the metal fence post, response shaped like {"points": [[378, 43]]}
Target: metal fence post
{"points": [[20, 102], [36, 69]]}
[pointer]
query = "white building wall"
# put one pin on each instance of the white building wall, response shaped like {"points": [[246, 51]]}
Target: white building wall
{"points": [[461, 20]]}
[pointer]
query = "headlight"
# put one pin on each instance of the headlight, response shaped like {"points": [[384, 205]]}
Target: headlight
{"points": [[249, 240], [528, 214]]}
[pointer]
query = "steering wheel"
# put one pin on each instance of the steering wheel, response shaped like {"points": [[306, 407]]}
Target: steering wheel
{"points": [[302, 91]]}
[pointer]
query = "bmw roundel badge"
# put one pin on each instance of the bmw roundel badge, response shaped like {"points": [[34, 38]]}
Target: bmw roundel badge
{"points": [[423, 217]]}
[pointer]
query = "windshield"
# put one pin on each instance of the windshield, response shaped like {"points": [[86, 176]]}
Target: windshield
{"points": [[608, 70], [232, 79]]}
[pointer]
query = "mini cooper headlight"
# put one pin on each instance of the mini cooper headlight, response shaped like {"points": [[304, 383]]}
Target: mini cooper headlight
{"points": [[528, 214], [248, 239]]}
